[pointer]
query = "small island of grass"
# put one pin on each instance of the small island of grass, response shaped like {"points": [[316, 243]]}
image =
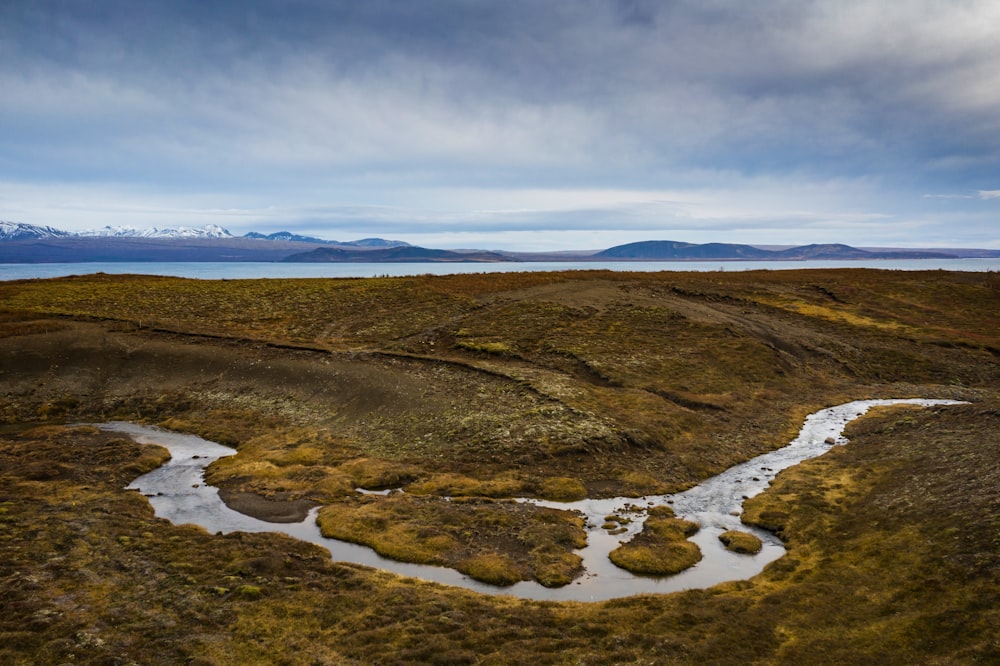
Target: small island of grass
{"points": [[741, 542], [662, 548]]}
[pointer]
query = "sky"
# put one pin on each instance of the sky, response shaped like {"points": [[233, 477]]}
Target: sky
{"points": [[531, 125]]}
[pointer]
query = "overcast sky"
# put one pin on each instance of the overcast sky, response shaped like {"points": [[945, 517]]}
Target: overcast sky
{"points": [[523, 125]]}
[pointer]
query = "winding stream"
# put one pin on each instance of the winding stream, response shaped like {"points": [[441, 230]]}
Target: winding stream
{"points": [[177, 492]]}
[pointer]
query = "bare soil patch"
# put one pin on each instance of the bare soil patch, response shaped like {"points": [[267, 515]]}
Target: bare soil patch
{"points": [[271, 510]]}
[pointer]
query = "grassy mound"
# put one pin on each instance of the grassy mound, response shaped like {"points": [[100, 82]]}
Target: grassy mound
{"points": [[741, 542], [497, 542], [661, 548]]}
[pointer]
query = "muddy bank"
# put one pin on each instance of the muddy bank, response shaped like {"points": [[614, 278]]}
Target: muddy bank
{"points": [[269, 510]]}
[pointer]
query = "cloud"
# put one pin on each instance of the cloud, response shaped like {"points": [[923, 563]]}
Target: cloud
{"points": [[598, 115], [984, 195], [531, 220]]}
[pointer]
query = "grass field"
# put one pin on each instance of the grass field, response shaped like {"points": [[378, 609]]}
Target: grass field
{"points": [[482, 387]]}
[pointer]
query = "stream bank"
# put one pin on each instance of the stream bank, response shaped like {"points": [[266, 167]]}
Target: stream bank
{"points": [[177, 492]]}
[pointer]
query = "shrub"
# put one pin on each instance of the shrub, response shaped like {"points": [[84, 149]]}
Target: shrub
{"points": [[661, 511], [300, 455], [375, 474]]}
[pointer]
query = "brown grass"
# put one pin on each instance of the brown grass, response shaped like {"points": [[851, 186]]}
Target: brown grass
{"points": [[741, 542], [661, 548], [694, 370], [626, 383], [495, 542]]}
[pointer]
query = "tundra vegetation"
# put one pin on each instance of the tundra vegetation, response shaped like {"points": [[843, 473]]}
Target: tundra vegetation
{"points": [[739, 541], [465, 390], [661, 548]]}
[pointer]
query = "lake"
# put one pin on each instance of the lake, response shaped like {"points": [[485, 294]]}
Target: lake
{"points": [[241, 270]]}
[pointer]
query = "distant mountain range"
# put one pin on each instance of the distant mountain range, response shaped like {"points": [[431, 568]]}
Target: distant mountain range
{"points": [[677, 251], [12, 231], [208, 231], [296, 238], [26, 243], [21, 231]]}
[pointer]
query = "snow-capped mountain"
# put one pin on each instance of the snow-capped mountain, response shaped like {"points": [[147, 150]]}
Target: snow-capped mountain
{"points": [[21, 231], [208, 231]]}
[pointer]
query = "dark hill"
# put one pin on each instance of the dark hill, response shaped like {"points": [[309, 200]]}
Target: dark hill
{"points": [[826, 251], [679, 251], [648, 250]]}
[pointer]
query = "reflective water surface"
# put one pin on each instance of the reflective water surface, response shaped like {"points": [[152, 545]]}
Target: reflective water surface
{"points": [[177, 492], [233, 270]]}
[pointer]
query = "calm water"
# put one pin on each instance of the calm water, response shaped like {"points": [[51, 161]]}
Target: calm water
{"points": [[238, 270]]}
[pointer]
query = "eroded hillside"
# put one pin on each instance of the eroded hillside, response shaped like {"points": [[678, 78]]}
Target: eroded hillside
{"points": [[630, 383]]}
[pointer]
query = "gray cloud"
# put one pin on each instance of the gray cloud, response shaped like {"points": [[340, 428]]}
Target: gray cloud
{"points": [[392, 105]]}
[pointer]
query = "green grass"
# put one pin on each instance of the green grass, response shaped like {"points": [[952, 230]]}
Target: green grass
{"points": [[492, 568]]}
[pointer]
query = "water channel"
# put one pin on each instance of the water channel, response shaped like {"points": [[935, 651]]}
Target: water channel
{"points": [[178, 493]]}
